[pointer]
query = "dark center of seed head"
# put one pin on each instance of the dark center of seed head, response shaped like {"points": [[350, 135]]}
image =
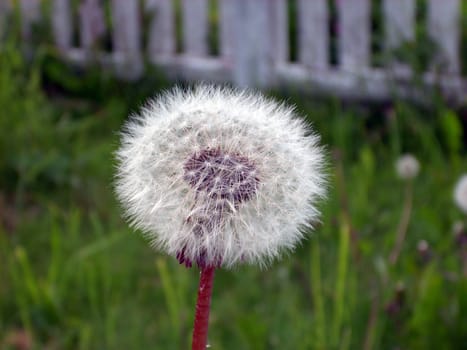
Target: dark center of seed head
{"points": [[221, 176], [225, 180]]}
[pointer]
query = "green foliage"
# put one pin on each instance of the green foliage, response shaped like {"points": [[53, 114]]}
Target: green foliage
{"points": [[463, 37], [417, 53], [26, 126]]}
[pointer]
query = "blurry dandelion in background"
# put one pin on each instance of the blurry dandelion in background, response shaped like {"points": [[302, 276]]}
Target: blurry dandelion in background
{"points": [[460, 193], [407, 167]]}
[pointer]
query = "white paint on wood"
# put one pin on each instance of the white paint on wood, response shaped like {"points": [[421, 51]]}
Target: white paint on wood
{"points": [[244, 51], [227, 27], [180, 67], [126, 30], [30, 14], [183, 67], [254, 53], [62, 24], [161, 40], [399, 19], [313, 33], [195, 27], [264, 26], [270, 18], [92, 23], [126, 26], [377, 84], [443, 27], [354, 34], [280, 25]]}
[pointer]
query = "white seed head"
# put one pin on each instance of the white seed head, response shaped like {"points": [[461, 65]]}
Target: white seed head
{"points": [[407, 167], [457, 227], [460, 193], [422, 246], [216, 176]]}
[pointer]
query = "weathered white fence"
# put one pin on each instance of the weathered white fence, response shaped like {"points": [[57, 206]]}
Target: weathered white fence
{"points": [[254, 42]]}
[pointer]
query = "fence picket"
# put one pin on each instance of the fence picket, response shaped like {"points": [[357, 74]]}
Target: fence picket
{"points": [[92, 25], [195, 27], [277, 9], [161, 40], [254, 53], [264, 22], [62, 24], [30, 14], [227, 27], [443, 26], [243, 51], [313, 36], [354, 34], [126, 32], [399, 16], [281, 26]]}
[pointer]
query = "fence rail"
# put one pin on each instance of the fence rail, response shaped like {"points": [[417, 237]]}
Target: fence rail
{"points": [[255, 42]]}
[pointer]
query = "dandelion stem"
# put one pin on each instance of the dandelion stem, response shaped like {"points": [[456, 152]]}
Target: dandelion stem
{"points": [[200, 329], [344, 203], [341, 282], [403, 225], [372, 323], [317, 291]]}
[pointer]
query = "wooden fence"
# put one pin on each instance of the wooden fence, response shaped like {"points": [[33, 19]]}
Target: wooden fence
{"points": [[254, 41]]}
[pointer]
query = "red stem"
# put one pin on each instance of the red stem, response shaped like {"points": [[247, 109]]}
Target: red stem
{"points": [[200, 329]]}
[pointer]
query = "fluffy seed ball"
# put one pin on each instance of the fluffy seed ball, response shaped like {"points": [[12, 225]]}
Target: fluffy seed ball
{"points": [[407, 167], [460, 193], [216, 176]]}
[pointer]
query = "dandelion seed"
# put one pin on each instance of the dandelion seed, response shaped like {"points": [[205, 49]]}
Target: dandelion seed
{"points": [[407, 167]]}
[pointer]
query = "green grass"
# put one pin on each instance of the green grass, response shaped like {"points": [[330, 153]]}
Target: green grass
{"points": [[74, 276]]}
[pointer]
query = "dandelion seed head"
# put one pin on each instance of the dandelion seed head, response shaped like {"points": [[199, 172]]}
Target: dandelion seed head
{"points": [[457, 227], [460, 193], [216, 176], [407, 167], [422, 245]]}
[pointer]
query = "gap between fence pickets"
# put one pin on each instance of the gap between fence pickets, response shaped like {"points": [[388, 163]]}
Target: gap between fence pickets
{"points": [[399, 17], [92, 23]]}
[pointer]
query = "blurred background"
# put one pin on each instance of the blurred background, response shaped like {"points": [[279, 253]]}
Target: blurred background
{"points": [[385, 269]]}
